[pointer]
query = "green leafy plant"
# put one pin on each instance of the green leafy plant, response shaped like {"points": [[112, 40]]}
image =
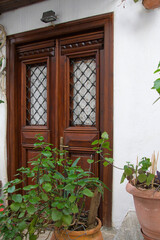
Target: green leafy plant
{"points": [[139, 175], [56, 194], [156, 85], [53, 192], [143, 174]]}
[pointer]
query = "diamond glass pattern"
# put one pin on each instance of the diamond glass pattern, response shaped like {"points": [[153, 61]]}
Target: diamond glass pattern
{"points": [[36, 94], [83, 92]]}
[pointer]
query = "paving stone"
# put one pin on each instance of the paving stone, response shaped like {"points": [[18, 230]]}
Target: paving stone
{"points": [[108, 233], [130, 228]]}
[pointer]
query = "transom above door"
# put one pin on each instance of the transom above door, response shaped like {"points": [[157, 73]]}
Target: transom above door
{"points": [[63, 90]]}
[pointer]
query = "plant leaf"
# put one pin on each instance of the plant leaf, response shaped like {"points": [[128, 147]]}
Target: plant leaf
{"points": [[31, 209], [22, 226], [95, 142], [123, 178], [21, 215], [46, 153], [72, 198], [87, 192], [75, 162], [128, 171], [18, 238], [17, 198], [105, 163], [105, 135], [56, 215], [11, 189], [44, 197], [34, 200], [75, 209], [150, 178], [29, 187], [15, 207], [47, 187], [67, 219], [157, 85], [69, 187], [142, 178], [90, 161]]}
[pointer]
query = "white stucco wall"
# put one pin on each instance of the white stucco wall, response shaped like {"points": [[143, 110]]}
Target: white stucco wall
{"points": [[136, 55]]}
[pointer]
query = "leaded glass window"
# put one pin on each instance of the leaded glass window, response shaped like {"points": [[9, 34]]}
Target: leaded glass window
{"points": [[36, 94], [83, 92]]}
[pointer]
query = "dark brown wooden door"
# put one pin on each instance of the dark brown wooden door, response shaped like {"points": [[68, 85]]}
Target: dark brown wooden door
{"points": [[60, 85], [62, 103]]}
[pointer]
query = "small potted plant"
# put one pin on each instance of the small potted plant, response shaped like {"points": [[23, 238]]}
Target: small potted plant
{"points": [[149, 4], [54, 199], [144, 185]]}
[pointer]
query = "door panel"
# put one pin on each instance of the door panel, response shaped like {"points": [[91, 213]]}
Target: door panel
{"points": [[81, 76], [36, 97], [29, 154]]}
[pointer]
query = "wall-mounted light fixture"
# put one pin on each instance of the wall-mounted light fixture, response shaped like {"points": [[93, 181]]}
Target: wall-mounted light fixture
{"points": [[48, 17]]}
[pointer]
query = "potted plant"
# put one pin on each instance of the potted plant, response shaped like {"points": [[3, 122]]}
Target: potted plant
{"points": [[149, 4], [55, 197], [144, 185]]}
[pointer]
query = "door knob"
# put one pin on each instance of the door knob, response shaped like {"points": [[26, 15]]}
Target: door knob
{"points": [[62, 146]]}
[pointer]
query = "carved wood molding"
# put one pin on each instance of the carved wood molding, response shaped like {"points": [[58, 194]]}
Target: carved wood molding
{"points": [[43, 48], [82, 42]]}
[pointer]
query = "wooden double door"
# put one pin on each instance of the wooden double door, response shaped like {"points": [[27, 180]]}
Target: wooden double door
{"points": [[62, 90]]}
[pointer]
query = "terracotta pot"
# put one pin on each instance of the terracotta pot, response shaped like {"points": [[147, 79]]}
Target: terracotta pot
{"points": [[91, 234], [151, 4], [147, 204], [145, 237]]}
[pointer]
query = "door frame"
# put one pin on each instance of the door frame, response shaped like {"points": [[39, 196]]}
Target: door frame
{"points": [[105, 22]]}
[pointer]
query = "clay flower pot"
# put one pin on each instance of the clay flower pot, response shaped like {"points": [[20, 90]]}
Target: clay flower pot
{"points": [[91, 234], [151, 4], [147, 204]]}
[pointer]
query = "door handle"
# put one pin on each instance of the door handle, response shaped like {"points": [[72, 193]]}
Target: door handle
{"points": [[62, 146]]}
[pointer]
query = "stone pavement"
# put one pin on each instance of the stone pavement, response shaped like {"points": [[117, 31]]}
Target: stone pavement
{"points": [[108, 233], [130, 228]]}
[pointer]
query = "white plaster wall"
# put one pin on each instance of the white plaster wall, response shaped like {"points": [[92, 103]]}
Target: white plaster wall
{"points": [[136, 55]]}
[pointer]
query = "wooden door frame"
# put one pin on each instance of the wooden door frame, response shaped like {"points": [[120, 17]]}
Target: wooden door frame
{"points": [[104, 22]]}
